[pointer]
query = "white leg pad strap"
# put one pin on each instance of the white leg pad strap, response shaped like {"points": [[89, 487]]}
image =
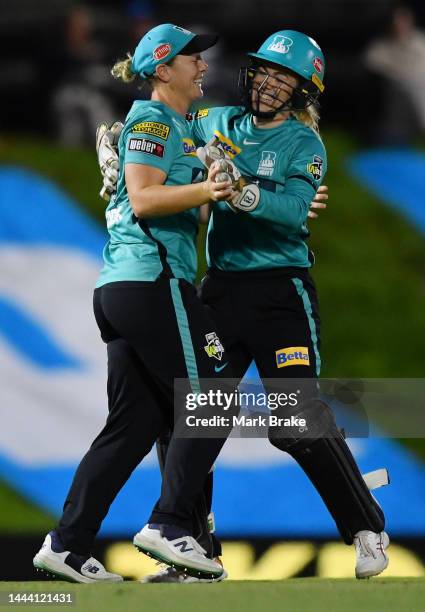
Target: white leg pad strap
{"points": [[376, 479]]}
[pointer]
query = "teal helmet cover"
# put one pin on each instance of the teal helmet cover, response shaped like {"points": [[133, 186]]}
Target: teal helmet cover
{"points": [[296, 52]]}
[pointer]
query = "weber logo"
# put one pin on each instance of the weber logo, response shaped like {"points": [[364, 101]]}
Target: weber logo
{"points": [[146, 146]]}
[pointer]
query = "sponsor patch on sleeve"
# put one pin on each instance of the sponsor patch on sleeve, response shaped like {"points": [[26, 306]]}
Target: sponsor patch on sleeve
{"points": [[292, 355], [143, 145], [315, 167], [152, 127], [201, 113], [189, 147]]}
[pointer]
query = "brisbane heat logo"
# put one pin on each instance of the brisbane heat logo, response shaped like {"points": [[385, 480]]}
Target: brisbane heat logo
{"points": [[162, 51], [214, 348], [280, 44], [315, 167]]}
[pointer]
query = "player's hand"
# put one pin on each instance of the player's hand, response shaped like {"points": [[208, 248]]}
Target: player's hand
{"points": [[217, 190], [213, 152], [245, 195], [319, 202], [107, 156]]}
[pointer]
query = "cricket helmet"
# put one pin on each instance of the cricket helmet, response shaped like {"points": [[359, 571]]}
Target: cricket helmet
{"points": [[296, 52]]}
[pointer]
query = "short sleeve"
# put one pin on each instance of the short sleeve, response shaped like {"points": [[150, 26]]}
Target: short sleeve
{"points": [[200, 125], [152, 143]]}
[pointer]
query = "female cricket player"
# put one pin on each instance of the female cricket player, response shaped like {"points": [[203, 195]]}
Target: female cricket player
{"points": [[154, 325], [258, 264]]}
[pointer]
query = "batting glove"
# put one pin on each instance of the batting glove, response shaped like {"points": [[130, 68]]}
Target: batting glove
{"points": [[107, 156]]}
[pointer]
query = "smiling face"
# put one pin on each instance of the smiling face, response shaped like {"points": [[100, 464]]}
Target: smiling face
{"points": [[272, 86], [187, 72]]}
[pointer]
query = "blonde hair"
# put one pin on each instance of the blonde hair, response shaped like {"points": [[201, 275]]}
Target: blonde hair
{"points": [[122, 70], [310, 117]]}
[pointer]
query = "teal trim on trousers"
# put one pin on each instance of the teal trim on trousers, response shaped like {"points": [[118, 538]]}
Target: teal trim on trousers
{"points": [[309, 312], [184, 330]]}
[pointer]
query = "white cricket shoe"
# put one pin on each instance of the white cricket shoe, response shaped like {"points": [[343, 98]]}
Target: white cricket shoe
{"points": [[171, 575], [53, 559], [183, 552], [370, 553]]}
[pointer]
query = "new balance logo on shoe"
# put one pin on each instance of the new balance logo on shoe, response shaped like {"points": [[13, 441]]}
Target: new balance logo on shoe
{"points": [[183, 545], [54, 559], [90, 568]]}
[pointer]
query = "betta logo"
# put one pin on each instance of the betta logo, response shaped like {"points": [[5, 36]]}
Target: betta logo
{"points": [[291, 356], [227, 145], [162, 51], [318, 64]]}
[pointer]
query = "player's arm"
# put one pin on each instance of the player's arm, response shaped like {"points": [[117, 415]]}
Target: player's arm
{"points": [[305, 173], [106, 147], [149, 197], [289, 208], [204, 213], [148, 159]]}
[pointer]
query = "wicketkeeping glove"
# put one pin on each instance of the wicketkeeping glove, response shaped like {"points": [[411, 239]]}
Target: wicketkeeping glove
{"points": [[107, 156], [246, 194]]}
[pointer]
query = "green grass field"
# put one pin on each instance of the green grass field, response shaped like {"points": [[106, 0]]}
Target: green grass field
{"points": [[295, 595]]}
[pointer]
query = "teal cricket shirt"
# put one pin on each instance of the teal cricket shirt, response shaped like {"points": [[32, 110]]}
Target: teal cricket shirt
{"points": [[137, 250], [289, 163]]}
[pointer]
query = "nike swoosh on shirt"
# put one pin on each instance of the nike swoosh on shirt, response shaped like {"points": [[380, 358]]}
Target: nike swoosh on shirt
{"points": [[249, 142], [219, 368]]}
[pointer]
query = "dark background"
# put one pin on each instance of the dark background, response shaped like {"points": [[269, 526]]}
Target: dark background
{"points": [[35, 60]]}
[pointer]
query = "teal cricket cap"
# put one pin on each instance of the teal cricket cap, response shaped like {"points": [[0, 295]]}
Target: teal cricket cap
{"points": [[161, 44]]}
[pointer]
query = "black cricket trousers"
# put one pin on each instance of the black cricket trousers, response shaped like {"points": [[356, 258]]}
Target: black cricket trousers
{"points": [[155, 332]]}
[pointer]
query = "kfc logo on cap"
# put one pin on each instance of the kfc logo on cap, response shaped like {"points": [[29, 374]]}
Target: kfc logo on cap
{"points": [[162, 51], [318, 64]]}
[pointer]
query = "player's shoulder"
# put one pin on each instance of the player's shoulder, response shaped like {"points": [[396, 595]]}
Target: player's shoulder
{"points": [[305, 136], [147, 117]]}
